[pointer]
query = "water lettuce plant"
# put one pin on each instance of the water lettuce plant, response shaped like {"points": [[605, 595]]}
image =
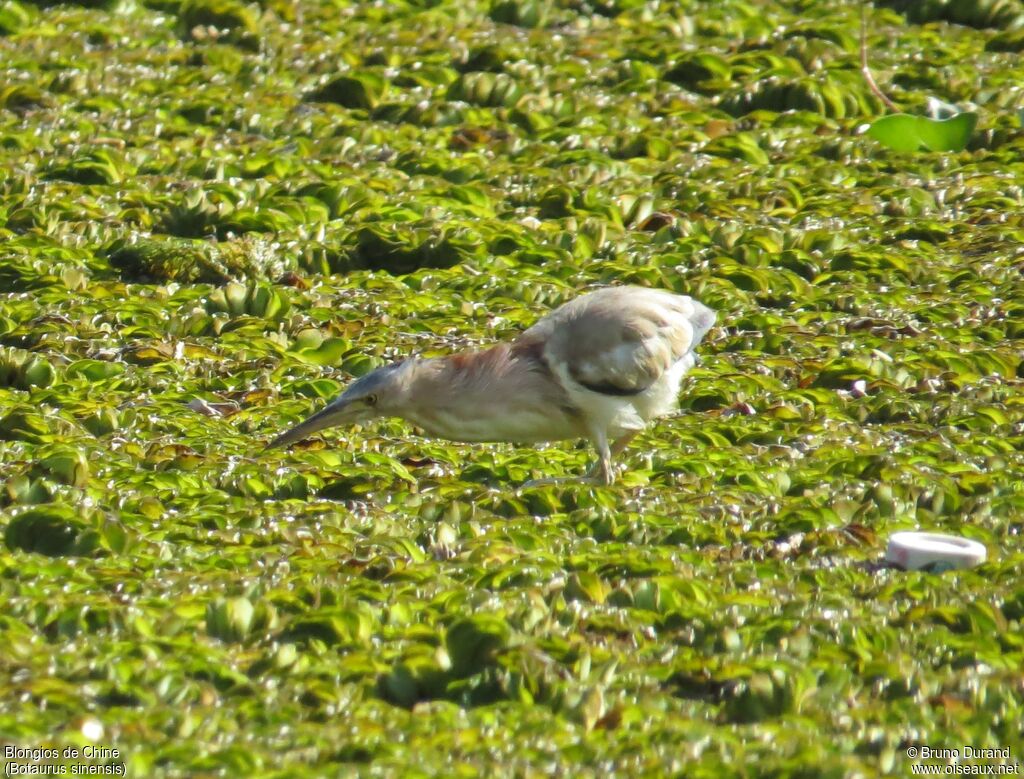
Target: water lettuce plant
{"points": [[215, 214]]}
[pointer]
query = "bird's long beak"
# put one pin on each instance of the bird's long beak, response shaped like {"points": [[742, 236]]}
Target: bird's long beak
{"points": [[340, 412]]}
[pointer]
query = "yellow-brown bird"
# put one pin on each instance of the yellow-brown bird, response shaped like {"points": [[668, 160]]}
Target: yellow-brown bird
{"points": [[600, 367]]}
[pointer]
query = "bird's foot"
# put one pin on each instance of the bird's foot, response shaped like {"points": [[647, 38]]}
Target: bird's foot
{"points": [[602, 472]]}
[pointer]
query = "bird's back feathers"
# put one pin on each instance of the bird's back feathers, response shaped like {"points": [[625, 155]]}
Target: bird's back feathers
{"points": [[620, 340]]}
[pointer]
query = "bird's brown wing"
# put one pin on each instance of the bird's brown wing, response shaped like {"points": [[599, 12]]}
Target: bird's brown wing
{"points": [[620, 340]]}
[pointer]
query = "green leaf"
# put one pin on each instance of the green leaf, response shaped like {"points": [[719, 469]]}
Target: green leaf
{"points": [[229, 620], [94, 370], [329, 352], [473, 642], [49, 530], [947, 134], [906, 132], [39, 373]]}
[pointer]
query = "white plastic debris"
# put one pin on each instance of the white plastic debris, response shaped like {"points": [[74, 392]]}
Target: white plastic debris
{"points": [[935, 552]]}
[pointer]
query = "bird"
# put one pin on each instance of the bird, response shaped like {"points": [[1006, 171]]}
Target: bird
{"points": [[600, 367]]}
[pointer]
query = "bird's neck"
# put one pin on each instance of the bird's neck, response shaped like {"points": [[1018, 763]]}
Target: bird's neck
{"points": [[460, 377], [496, 394], [455, 396]]}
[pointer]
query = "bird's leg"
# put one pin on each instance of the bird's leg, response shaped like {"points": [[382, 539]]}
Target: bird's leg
{"points": [[622, 442], [602, 472]]}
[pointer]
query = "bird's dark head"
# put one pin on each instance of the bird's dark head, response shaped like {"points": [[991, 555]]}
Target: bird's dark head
{"points": [[380, 393]]}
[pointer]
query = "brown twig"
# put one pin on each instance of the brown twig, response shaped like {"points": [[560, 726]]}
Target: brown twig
{"points": [[865, 69]]}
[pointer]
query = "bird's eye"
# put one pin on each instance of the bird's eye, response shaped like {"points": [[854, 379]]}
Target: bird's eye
{"points": [[371, 400]]}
